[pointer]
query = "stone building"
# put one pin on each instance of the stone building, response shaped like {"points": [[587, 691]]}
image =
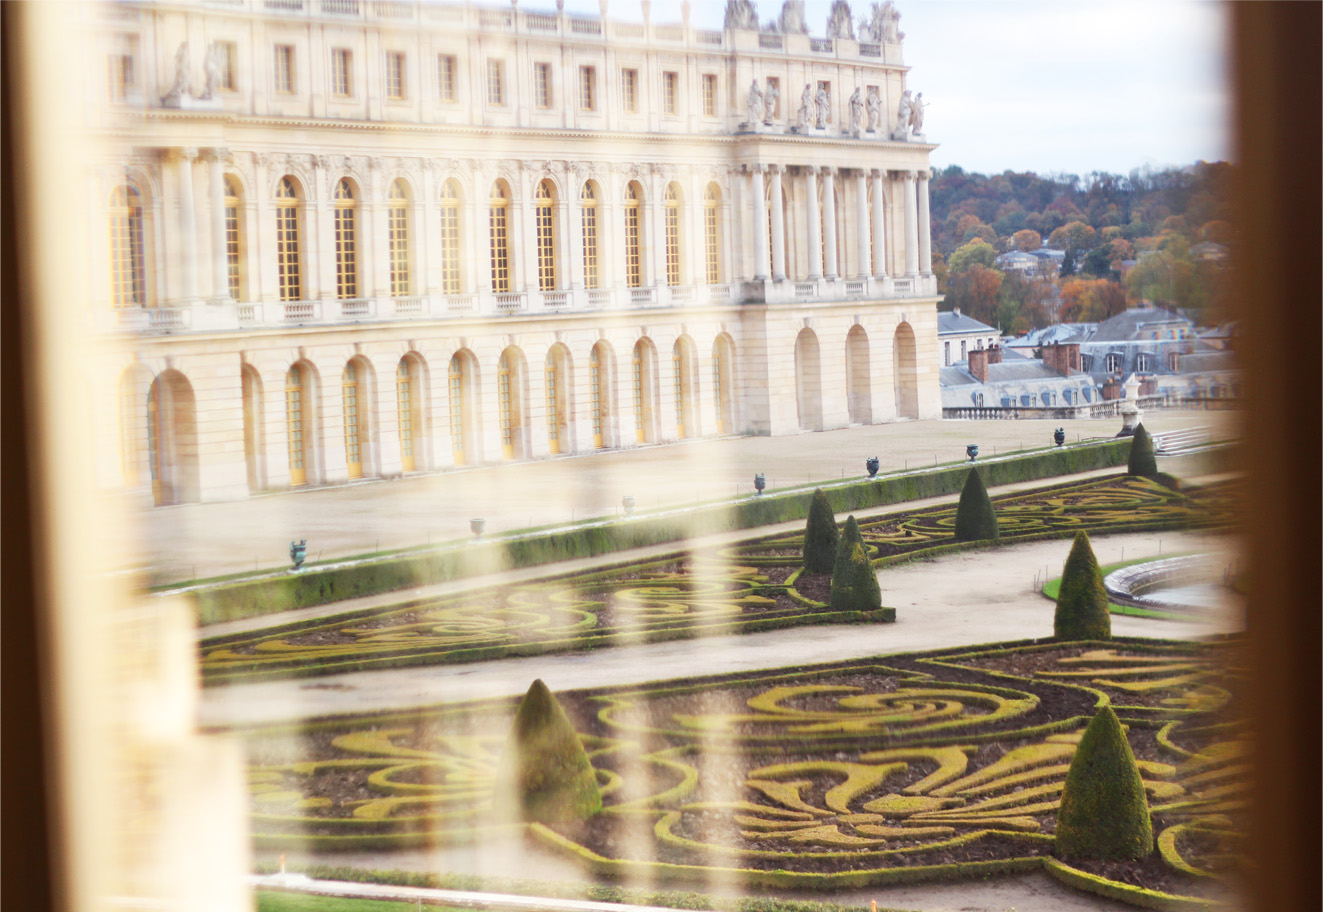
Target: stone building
{"points": [[358, 238]]}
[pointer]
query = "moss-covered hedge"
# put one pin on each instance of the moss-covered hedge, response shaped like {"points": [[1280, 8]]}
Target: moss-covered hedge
{"points": [[318, 585]]}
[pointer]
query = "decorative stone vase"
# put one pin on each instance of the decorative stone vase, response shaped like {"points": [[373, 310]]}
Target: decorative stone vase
{"points": [[971, 450], [298, 550], [628, 503], [1059, 435], [476, 526], [872, 465], [759, 482]]}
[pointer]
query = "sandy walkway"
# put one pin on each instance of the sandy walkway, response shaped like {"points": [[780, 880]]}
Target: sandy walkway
{"points": [[960, 599]]}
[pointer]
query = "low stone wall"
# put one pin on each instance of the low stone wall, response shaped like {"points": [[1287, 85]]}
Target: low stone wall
{"points": [[1138, 585]]}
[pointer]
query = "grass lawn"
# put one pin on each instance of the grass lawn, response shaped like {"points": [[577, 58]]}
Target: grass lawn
{"points": [[278, 901]]}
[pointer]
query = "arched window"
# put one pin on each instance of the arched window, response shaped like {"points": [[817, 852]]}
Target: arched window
{"points": [[407, 403], [712, 233], [397, 225], [128, 275], [499, 205], [346, 242], [450, 238], [233, 239], [633, 226], [588, 205], [295, 424], [545, 219], [672, 202], [289, 271], [353, 421]]}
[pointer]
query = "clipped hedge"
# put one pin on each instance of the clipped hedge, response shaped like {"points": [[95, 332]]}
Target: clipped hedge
{"points": [[319, 585], [1104, 811], [820, 535], [544, 774], [1082, 612], [854, 584], [975, 518], [1142, 460]]}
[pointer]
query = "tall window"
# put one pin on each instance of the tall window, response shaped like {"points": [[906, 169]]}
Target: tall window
{"points": [[294, 425], [588, 206], [640, 368], [346, 242], [450, 238], [397, 227], [506, 391], [672, 235], [495, 82], [499, 205], [588, 88], [709, 95], [284, 72], [233, 240], [670, 85], [712, 233], [445, 77], [226, 55], [595, 391], [542, 84], [395, 84], [721, 391], [119, 76], [341, 62], [629, 90], [353, 427], [288, 270], [404, 401], [457, 392], [555, 401], [127, 268], [545, 220], [677, 366], [633, 264]]}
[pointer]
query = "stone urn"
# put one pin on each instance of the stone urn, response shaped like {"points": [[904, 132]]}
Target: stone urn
{"points": [[477, 526], [971, 450], [628, 503], [298, 550], [759, 482], [1059, 435], [872, 465]]}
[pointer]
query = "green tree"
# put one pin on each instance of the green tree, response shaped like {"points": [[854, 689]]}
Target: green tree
{"points": [[544, 775], [820, 535], [1143, 461], [1104, 810], [854, 585], [1082, 612], [977, 252], [975, 519]]}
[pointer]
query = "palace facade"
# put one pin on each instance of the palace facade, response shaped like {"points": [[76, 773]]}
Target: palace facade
{"points": [[365, 238]]}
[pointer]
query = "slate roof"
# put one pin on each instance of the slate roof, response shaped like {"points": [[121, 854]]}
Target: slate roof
{"points": [[1200, 362], [954, 376], [951, 322], [1059, 332], [1128, 326]]}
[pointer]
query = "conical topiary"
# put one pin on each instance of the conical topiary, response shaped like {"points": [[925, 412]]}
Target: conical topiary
{"points": [[854, 584], [544, 775], [1104, 811], [1082, 612], [975, 519], [1142, 459], [820, 535]]}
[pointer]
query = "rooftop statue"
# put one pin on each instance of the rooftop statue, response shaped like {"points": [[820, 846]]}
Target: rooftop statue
{"points": [[824, 107], [212, 66], [881, 25], [741, 14], [840, 21], [856, 110], [179, 88], [792, 18], [902, 131], [916, 115], [769, 102], [874, 109], [806, 109], [755, 103]]}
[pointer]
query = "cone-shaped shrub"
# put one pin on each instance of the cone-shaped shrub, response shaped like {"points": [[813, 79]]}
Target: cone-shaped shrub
{"points": [[1142, 460], [853, 580], [1104, 811], [975, 518], [1082, 602], [544, 775], [820, 535]]}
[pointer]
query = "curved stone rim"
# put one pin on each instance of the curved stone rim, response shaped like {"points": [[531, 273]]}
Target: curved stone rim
{"points": [[1131, 585]]}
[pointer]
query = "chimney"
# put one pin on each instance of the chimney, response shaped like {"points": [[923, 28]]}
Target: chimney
{"points": [[1062, 358], [980, 358]]}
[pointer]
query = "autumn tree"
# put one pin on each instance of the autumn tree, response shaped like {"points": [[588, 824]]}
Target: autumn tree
{"points": [[977, 252], [1090, 300], [1027, 240], [1074, 237], [974, 291]]}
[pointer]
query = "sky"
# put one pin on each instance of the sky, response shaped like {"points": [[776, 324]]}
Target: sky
{"points": [[1045, 85]]}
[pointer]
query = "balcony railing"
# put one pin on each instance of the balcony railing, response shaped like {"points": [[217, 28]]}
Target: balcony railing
{"points": [[300, 311], [599, 297], [642, 297], [509, 301], [555, 300], [356, 308], [682, 294], [460, 303], [410, 307]]}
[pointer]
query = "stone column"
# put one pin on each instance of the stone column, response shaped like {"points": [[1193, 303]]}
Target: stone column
{"points": [[571, 253], [263, 239], [814, 222], [925, 227], [911, 227], [220, 279], [188, 241], [829, 269], [879, 231], [778, 227], [758, 199], [862, 266]]}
